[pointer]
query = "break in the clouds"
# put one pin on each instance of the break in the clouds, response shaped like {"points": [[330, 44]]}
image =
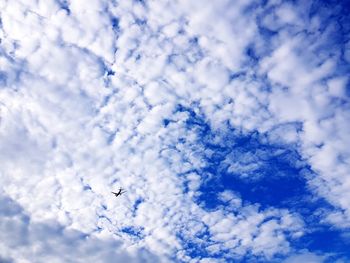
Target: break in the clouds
{"points": [[227, 122]]}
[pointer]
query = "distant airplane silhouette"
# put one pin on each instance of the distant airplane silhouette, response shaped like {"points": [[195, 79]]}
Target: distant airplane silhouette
{"points": [[120, 192]]}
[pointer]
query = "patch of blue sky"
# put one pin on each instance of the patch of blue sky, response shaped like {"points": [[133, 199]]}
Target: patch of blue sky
{"points": [[196, 246], [335, 11], [261, 173], [115, 23], [64, 4], [136, 205], [134, 232], [325, 239]]}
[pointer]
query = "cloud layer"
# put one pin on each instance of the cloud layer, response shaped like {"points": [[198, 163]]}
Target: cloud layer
{"points": [[226, 122]]}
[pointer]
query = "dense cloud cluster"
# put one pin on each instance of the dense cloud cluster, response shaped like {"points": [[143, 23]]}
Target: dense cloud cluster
{"points": [[27, 241], [227, 122]]}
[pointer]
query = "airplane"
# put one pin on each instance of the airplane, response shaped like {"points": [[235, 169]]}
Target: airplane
{"points": [[120, 192]]}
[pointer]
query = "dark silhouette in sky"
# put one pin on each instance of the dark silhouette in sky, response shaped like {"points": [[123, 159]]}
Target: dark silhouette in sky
{"points": [[120, 192]]}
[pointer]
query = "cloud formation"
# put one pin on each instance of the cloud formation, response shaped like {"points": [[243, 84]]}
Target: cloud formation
{"points": [[25, 241], [227, 123]]}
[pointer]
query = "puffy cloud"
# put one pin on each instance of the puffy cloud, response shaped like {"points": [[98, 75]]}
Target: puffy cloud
{"points": [[163, 98], [24, 240]]}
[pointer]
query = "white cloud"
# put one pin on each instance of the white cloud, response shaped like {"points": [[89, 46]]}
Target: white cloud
{"points": [[23, 240], [337, 86], [71, 131], [305, 257]]}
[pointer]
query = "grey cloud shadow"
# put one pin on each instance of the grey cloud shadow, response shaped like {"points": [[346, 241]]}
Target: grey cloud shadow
{"points": [[22, 238]]}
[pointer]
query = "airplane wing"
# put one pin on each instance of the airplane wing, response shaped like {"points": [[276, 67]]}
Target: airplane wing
{"points": [[120, 192]]}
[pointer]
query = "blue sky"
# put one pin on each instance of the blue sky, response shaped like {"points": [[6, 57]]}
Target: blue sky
{"points": [[226, 122]]}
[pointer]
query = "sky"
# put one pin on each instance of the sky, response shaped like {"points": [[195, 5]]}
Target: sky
{"points": [[226, 122]]}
